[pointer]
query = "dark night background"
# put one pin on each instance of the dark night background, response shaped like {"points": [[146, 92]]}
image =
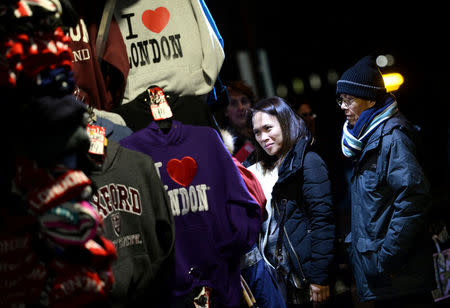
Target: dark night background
{"points": [[302, 38]]}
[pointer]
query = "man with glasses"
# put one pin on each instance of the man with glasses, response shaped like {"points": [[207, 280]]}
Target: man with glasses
{"points": [[388, 243]]}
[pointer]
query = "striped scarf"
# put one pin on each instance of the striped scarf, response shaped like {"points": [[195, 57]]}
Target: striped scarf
{"points": [[354, 138]]}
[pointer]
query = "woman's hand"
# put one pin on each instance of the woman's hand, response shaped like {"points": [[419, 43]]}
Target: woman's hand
{"points": [[319, 293]]}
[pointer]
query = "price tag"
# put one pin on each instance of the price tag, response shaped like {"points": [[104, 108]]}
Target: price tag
{"points": [[97, 137], [158, 104]]}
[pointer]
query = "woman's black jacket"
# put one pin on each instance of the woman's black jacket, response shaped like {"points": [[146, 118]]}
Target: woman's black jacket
{"points": [[303, 194]]}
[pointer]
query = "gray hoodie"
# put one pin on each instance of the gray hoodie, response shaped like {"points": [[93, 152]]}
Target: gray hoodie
{"points": [[134, 206]]}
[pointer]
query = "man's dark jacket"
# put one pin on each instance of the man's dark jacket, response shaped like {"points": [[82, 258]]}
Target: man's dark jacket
{"points": [[388, 243]]}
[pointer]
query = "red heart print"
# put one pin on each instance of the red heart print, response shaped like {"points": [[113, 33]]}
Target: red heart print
{"points": [[156, 20], [182, 171]]}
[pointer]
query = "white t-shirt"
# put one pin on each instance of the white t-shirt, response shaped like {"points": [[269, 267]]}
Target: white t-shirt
{"points": [[170, 44]]}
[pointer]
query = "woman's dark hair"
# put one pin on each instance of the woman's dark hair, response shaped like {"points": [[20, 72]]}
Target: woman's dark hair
{"points": [[292, 127]]}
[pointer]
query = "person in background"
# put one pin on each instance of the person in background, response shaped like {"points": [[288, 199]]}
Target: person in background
{"points": [[298, 235], [242, 99], [388, 244], [320, 138], [305, 111]]}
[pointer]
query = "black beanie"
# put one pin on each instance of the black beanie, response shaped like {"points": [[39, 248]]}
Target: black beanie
{"points": [[363, 80]]}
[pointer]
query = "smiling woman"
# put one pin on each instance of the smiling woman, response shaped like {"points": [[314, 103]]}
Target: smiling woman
{"points": [[276, 128], [267, 132], [295, 182]]}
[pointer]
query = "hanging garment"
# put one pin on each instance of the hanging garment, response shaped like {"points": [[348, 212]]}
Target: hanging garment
{"points": [[53, 127], [111, 116], [56, 250], [113, 132], [28, 55], [137, 219], [254, 187], [102, 84], [52, 251], [216, 219], [173, 44], [25, 16], [192, 110]]}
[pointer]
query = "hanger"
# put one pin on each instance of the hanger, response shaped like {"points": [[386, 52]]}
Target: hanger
{"points": [[103, 30], [165, 125]]}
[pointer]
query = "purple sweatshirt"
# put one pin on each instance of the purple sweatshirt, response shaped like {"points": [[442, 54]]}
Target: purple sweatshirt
{"points": [[216, 219]]}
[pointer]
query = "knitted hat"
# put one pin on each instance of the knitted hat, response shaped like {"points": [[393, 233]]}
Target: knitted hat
{"points": [[363, 80]]}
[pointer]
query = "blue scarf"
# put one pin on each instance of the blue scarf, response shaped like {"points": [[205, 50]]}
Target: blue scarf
{"points": [[354, 138]]}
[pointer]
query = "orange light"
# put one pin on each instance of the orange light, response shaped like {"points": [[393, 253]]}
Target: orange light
{"points": [[392, 81]]}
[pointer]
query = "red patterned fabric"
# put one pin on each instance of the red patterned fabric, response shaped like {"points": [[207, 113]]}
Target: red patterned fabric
{"points": [[28, 56]]}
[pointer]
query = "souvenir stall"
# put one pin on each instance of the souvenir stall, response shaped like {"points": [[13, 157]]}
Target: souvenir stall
{"points": [[119, 188]]}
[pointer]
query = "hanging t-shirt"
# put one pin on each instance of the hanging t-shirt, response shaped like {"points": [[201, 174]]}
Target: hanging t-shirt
{"points": [[172, 44], [101, 86], [216, 219]]}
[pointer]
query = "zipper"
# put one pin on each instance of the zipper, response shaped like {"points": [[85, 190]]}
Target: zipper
{"points": [[292, 248], [296, 256]]}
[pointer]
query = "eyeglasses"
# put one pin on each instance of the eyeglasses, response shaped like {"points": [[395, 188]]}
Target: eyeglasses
{"points": [[346, 101]]}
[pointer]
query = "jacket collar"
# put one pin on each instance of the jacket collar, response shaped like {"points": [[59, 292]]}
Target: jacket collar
{"points": [[293, 161], [397, 121]]}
